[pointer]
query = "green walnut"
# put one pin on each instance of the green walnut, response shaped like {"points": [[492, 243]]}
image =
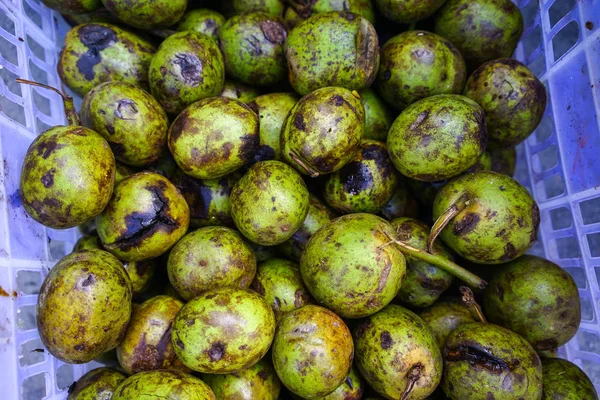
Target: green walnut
{"points": [[214, 137], [147, 14], [408, 11], [253, 48], [564, 380], [67, 177], [272, 110], [332, 49], [165, 166], [257, 382], [223, 331], [130, 119], [419, 64], [269, 203], [272, 7], [365, 184], [73, 6], [210, 258], [280, 283], [488, 361], [239, 91], [349, 268], [312, 351], [163, 384], [84, 306], [394, 334], [202, 20], [145, 217], [513, 99], [94, 53], [187, 67], [304, 9], [402, 204], [444, 316], [323, 131], [536, 299], [99, 383], [147, 345], [483, 30], [352, 388], [378, 117], [438, 137]]}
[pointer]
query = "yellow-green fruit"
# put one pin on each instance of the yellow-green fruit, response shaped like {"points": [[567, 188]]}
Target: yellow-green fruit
{"points": [[147, 14], [202, 20], [280, 283], [239, 91], [563, 380], [312, 351], [214, 137], [351, 389], [408, 11], [258, 382], [269, 203], [223, 331], [378, 117], [88, 242], [98, 52], [84, 306], [97, 384], [163, 384], [210, 258], [444, 316], [271, 7], [73, 6], [307, 8], [147, 342], [67, 176], [145, 217]]}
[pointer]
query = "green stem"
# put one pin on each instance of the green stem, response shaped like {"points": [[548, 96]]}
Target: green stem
{"points": [[413, 376], [443, 220], [69, 105], [468, 300]]}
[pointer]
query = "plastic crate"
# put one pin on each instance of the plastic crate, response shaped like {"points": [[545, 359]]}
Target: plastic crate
{"points": [[559, 163]]}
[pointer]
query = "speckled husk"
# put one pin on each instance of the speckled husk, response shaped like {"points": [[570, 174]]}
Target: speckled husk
{"points": [[269, 203], [280, 283], [253, 48], [272, 110], [202, 20], [84, 306], [67, 176], [257, 382], [163, 384], [312, 351], [564, 380], [483, 30], [332, 49], [444, 316], [88, 242], [272, 7], [239, 91], [210, 258], [365, 184], [504, 160], [349, 269], [214, 137], [408, 11], [323, 131], [536, 299], [208, 199], [145, 217], [513, 99], [438, 137], [424, 283], [187, 67], [306, 8], [73, 6], [419, 64], [147, 14], [487, 361], [402, 204], [98, 52], [130, 119], [351, 389], [500, 223], [223, 331], [378, 117], [97, 384], [393, 346], [317, 217]]}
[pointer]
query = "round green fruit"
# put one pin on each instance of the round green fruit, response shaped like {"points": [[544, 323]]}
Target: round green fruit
{"points": [[99, 383], [239, 91], [352, 388], [378, 117], [444, 316], [147, 14], [163, 384], [272, 7], [202, 20], [256, 382], [408, 11], [564, 380]]}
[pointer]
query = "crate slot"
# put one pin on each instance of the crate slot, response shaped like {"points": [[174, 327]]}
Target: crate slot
{"points": [[593, 240], [38, 74], [545, 159], [8, 79], [26, 316], [587, 309], [544, 130], [7, 24], [36, 48], [561, 218], [559, 10], [590, 211], [565, 39], [35, 387], [567, 247], [33, 15], [588, 341], [578, 275], [64, 376], [29, 353], [9, 53], [532, 41], [550, 187], [28, 282]]}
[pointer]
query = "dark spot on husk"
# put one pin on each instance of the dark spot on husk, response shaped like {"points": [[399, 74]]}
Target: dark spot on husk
{"points": [[141, 267], [274, 32], [386, 340], [180, 344], [481, 358], [179, 125], [337, 100], [500, 292], [216, 351], [509, 252], [299, 122], [258, 287], [363, 327], [381, 158], [79, 347], [124, 107], [349, 383], [348, 15], [466, 224], [546, 344], [96, 38], [264, 153], [117, 148], [48, 178], [191, 68], [356, 177], [250, 145], [535, 221], [300, 298], [90, 280], [46, 148], [263, 375]]}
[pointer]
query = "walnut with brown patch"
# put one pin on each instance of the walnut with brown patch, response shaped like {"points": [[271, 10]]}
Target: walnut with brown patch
{"points": [[256, 382]]}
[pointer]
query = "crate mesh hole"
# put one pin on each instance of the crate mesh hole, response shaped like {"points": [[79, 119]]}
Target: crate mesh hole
{"points": [[14, 111], [36, 48], [26, 318], [538, 66], [592, 370], [31, 353], [545, 159], [530, 11], [9, 51], [29, 282], [34, 387], [58, 249], [550, 187], [32, 14], [587, 311], [532, 41], [41, 126], [588, 342], [37, 74], [10, 82], [64, 376], [594, 244], [564, 40], [7, 24], [578, 275], [561, 218], [567, 247], [559, 9], [590, 211], [545, 129], [41, 103]]}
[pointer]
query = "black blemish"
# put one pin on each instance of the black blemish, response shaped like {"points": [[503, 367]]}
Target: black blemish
{"points": [[45, 149], [356, 177], [348, 15], [386, 340], [509, 252], [546, 344], [179, 125], [216, 351], [338, 100], [191, 68], [96, 38], [482, 358], [48, 178], [125, 107], [274, 32], [362, 328], [179, 344], [117, 148], [110, 129], [535, 221], [387, 75], [79, 347], [467, 224], [250, 146], [90, 280], [349, 382], [197, 195], [380, 155], [141, 267], [299, 122], [264, 153], [263, 375]]}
